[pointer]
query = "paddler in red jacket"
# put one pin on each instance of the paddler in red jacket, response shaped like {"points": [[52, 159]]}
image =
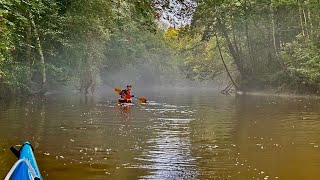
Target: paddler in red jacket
{"points": [[125, 95]]}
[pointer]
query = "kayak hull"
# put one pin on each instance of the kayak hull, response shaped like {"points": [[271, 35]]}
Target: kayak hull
{"points": [[27, 168], [120, 101]]}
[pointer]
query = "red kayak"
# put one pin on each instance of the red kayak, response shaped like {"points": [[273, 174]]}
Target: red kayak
{"points": [[121, 100]]}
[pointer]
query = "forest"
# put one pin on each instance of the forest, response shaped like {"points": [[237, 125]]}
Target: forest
{"points": [[265, 45]]}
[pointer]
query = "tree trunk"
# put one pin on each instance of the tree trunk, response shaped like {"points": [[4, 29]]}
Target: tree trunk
{"points": [[273, 29], [305, 22], [234, 37], [39, 48], [224, 64], [236, 57], [29, 53], [247, 33], [308, 18], [310, 21], [301, 18]]}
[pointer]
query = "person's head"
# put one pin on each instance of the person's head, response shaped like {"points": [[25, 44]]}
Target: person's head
{"points": [[129, 87]]}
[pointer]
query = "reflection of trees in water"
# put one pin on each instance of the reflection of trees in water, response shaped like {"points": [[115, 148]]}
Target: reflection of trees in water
{"points": [[23, 119]]}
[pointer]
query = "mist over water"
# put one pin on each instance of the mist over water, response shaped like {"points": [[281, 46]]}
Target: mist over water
{"points": [[150, 76]]}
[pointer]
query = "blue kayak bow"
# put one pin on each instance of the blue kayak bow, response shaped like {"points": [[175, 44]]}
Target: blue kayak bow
{"points": [[26, 167]]}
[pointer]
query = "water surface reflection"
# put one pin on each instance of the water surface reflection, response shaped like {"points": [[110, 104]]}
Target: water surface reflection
{"points": [[194, 134]]}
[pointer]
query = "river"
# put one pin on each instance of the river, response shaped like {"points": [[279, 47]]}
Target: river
{"points": [[178, 134]]}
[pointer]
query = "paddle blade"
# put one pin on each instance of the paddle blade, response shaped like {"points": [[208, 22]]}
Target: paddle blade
{"points": [[142, 100], [118, 90]]}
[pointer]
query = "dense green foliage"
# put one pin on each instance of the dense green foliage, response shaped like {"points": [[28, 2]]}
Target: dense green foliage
{"points": [[272, 43], [81, 44], [302, 62]]}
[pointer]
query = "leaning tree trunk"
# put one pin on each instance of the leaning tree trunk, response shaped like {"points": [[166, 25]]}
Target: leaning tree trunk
{"points": [[235, 55], [39, 48], [224, 64]]}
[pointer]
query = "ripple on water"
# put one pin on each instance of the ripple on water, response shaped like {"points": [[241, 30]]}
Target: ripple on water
{"points": [[168, 153], [177, 120]]}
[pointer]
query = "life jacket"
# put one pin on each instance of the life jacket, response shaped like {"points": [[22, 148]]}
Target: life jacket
{"points": [[125, 94]]}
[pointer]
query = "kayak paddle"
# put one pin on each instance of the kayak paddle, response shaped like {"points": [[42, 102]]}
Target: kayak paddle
{"points": [[118, 90], [141, 99]]}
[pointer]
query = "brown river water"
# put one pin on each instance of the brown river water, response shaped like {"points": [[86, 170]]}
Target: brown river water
{"points": [[178, 134]]}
